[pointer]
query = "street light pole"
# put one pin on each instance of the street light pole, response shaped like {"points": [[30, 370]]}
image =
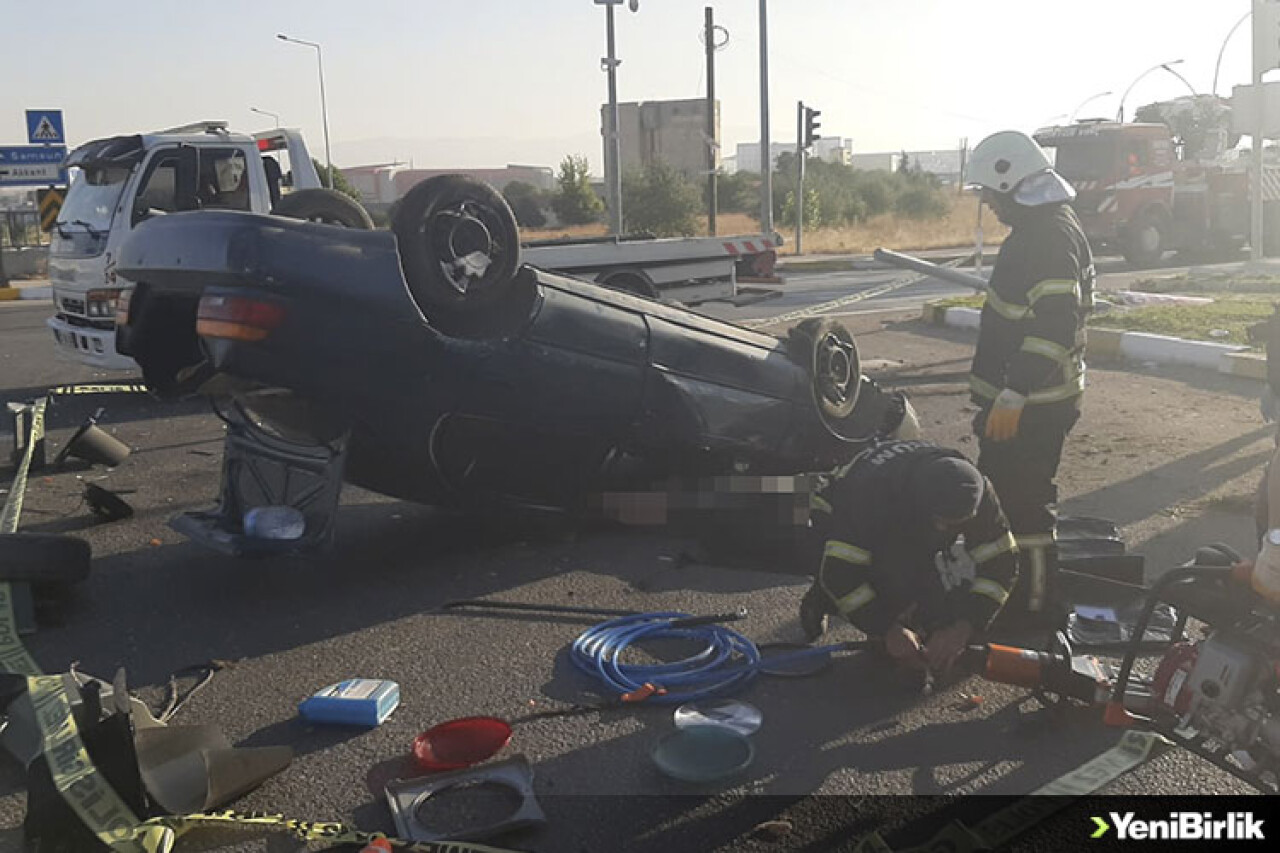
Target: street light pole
{"points": [[1165, 66], [1085, 103], [1218, 65], [614, 163], [613, 133], [324, 106], [766, 160], [275, 116]]}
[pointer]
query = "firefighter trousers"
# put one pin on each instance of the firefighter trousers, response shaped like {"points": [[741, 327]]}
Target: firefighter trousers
{"points": [[1023, 471]]}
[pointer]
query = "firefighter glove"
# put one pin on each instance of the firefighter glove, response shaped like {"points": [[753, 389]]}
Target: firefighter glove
{"points": [[1006, 412]]}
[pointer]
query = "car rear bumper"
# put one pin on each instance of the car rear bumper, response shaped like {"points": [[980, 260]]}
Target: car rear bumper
{"points": [[95, 347]]}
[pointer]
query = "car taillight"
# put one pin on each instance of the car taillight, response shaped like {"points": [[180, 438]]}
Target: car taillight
{"points": [[122, 306], [237, 318], [100, 304]]}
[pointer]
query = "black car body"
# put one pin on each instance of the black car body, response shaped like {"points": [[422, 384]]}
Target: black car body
{"points": [[562, 389]]}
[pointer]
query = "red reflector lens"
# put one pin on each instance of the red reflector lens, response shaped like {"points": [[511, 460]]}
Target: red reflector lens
{"points": [[237, 318], [264, 144]]}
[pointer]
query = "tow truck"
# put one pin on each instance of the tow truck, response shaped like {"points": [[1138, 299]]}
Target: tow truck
{"points": [[121, 181]]}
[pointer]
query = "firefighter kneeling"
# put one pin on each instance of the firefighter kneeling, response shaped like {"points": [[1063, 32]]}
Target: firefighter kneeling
{"points": [[881, 522]]}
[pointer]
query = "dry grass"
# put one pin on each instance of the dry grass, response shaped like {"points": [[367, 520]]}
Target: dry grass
{"points": [[888, 231]]}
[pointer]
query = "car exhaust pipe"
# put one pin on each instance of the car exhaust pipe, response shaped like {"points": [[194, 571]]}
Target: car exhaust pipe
{"points": [[907, 262]]}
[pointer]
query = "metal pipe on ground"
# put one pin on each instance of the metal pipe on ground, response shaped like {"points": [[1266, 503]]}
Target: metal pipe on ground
{"points": [[907, 262]]}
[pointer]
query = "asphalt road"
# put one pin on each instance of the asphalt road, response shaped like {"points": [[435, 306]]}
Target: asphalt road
{"points": [[370, 607]]}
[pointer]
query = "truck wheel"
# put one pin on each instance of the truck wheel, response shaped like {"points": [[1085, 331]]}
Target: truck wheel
{"points": [[329, 207], [827, 349], [1145, 244], [459, 246]]}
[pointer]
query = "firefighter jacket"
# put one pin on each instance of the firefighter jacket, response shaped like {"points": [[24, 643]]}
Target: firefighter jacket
{"points": [[1041, 291], [878, 541]]}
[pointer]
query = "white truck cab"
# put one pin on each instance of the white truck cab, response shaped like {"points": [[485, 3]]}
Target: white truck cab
{"points": [[119, 181]]}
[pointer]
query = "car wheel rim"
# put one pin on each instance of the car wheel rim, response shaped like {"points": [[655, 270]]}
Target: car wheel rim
{"points": [[1149, 239], [464, 244], [834, 369]]}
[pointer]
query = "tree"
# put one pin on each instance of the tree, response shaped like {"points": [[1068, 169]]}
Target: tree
{"points": [[904, 165], [1200, 124], [340, 183], [526, 203], [739, 192], [575, 202], [921, 202], [660, 201], [812, 208]]}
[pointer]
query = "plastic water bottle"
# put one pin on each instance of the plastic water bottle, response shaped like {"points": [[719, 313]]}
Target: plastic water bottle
{"points": [[274, 522]]}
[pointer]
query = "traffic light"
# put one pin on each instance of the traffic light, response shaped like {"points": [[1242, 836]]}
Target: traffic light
{"points": [[811, 125]]}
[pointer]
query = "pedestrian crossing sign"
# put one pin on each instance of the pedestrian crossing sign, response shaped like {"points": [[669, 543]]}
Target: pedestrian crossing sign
{"points": [[45, 127]]}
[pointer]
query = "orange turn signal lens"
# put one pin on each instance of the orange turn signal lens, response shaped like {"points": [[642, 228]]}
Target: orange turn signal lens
{"points": [[122, 306]]}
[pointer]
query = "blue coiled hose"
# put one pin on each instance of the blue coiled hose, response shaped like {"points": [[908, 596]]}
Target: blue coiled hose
{"points": [[728, 662]]}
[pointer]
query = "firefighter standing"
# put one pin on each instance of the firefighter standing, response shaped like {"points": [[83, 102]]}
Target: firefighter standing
{"points": [[881, 521], [1028, 370]]}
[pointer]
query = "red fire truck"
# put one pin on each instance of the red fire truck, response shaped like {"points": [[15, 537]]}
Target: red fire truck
{"points": [[1143, 191]]}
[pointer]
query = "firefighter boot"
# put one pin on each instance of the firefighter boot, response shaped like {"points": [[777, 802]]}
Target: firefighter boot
{"points": [[815, 608]]}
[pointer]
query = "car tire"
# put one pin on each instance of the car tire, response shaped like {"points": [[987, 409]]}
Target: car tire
{"points": [[43, 558], [328, 207], [459, 246], [827, 350]]}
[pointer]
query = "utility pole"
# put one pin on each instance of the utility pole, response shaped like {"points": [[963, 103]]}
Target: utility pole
{"points": [[709, 37], [964, 158], [766, 161], [799, 177], [1260, 52], [614, 161]]}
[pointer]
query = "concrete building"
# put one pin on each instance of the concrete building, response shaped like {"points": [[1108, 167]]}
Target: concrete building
{"points": [[883, 162], [672, 132], [834, 149], [945, 164], [381, 184]]}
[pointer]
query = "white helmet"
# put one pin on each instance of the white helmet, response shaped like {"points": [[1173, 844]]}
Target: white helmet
{"points": [[1003, 159]]}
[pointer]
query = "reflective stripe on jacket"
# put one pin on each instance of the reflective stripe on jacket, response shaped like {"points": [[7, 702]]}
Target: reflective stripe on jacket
{"points": [[1041, 291]]}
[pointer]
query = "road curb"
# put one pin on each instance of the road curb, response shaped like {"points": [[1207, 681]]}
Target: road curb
{"points": [[1116, 344], [17, 291]]}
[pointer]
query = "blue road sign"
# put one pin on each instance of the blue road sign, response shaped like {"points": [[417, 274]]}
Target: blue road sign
{"points": [[45, 127], [32, 165]]}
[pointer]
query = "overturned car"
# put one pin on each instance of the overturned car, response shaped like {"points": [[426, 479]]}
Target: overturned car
{"points": [[428, 364]]}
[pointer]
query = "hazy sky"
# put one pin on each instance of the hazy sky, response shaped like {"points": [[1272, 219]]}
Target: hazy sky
{"points": [[489, 82]]}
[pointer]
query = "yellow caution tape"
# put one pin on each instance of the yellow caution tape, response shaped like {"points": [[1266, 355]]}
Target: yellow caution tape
{"points": [[997, 830], [77, 780], [74, 775], [13, 654], [13, 506], [106, 388], [303, 830]]}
